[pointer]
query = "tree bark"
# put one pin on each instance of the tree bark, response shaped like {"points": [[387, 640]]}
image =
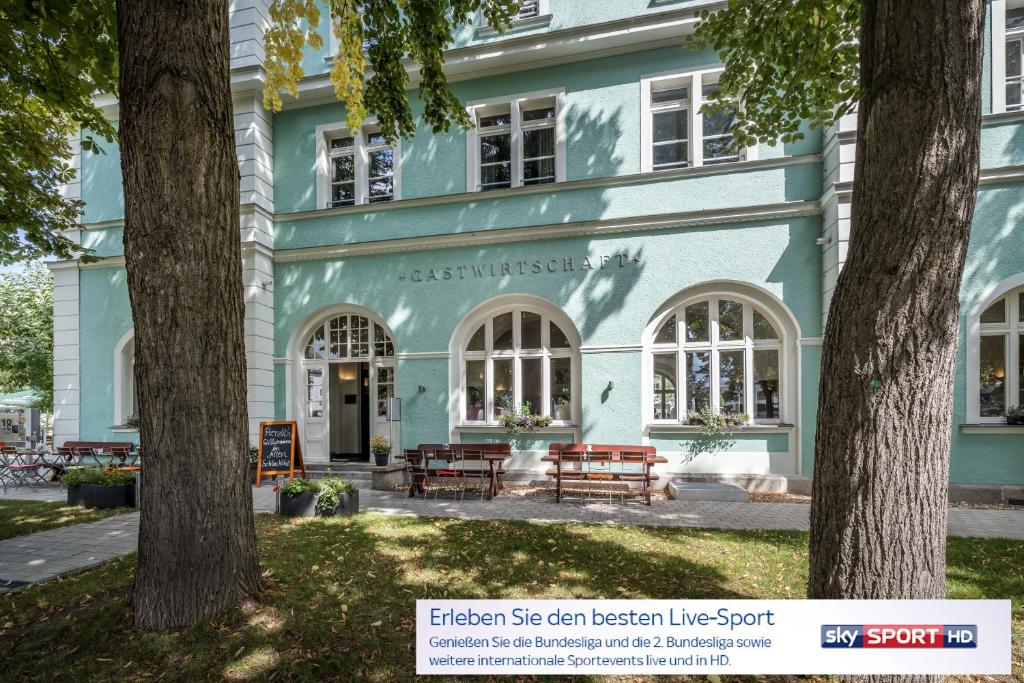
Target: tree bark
{"points": [[878, 516], [197, 541]]}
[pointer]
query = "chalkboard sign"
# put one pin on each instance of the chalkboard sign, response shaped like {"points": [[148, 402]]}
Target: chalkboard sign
{"points": [[280, 450]]}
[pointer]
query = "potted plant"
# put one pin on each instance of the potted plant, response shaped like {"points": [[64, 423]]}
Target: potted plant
{"points": [[100, 487], [337, 498], [716, 424], [522, 419], [1015, 415], [132, 422], [254, 454], [381, 449], [298, 498]]}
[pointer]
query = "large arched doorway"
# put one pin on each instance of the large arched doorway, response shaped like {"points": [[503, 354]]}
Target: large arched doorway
{"points": [[346, 362]]}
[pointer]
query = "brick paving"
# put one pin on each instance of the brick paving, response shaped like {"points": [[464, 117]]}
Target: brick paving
{"points": [[48, 554]]}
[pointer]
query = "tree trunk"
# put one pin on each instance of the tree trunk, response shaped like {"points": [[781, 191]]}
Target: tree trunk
{"points": [[197, 542], [878, 516]]}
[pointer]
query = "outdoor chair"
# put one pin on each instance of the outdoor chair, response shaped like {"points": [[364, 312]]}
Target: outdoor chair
{"points": [[22, 468], [571, 467], [446, 467], [479, 473], [87, 456], [123, 459], [599, 469], [634, 468], [416, 467]]}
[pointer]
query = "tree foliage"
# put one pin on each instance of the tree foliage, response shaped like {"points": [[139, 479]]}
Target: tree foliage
{"points": [[55, 55], [791, 62], [382, 38], [26, 332]]}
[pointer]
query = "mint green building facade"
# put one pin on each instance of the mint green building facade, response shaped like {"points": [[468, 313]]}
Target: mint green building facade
{"points": [[588, 249]]}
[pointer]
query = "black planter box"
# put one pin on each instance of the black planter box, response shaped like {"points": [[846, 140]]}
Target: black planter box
{"points": [[381, 459], [349, 505], [102, 497], [1014, 420], [302, 505]]}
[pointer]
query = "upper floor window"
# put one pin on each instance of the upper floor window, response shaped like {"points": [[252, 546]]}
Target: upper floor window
{"points": [[674, 131], [357, 167], [722, 352], [516, 142], [1014, 56], [998, 379], [529, 11]]}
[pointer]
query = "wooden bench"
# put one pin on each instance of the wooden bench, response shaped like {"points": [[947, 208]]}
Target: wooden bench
{"points": [[596, 463], [490, 454], [110, 449]]}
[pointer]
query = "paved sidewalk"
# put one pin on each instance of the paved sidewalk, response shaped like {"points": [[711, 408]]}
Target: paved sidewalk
{"points": [[49, 554]]}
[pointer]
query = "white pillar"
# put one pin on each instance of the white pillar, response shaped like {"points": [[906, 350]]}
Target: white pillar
{"points": [[66, 378]]}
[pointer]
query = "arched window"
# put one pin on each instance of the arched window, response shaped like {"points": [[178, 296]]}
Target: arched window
{"points": [[996, 379], [514, 356], [721, 351], [126, 400]]}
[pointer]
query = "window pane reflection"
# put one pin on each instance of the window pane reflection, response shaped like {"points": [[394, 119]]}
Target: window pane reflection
{"points": [[503, 379], [698, 380], [992, 379], [561, 388], [730, 320], [533, 384], [476, 386], [730, 381], [766, 384], [665, 386]]}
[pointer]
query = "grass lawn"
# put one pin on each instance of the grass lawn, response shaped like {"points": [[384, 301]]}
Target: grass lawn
{"points": [[20, 517], [340, 603]]}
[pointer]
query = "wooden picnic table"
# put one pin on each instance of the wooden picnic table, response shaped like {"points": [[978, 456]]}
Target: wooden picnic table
{"points": [[492, 459], [649, 460]]}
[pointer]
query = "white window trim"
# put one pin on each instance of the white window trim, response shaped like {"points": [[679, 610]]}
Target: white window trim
{"points": [[324, 134], [694, 80], [787, 345], [999, 36], [124, 378], [514, 102], [1013, 328], [484, 314]]}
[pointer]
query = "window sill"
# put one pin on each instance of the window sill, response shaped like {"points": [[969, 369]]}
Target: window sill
{"points": [[540, 21], [121, 429], [666, 428], [992, 428], [487, 429]]}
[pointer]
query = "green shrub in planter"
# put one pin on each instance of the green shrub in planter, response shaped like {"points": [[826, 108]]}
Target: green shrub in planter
{"points": [[100, 487], [298, 498], [337, 497]]}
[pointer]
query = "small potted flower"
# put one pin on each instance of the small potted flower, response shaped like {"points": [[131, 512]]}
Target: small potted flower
{"points": [[298, 498], [381, 449], [1015, 415], [522, 419], [338, 498], [100, 487]]}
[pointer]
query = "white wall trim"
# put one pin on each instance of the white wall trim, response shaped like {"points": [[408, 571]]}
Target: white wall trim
{"points": [[66, 334], [973, 344], [998, 56], [423, 355], [811, 341], [123, 381], [612, 348]]}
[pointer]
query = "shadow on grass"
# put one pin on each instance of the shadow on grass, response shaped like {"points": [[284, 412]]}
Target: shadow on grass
{"points": [[341, 595]]}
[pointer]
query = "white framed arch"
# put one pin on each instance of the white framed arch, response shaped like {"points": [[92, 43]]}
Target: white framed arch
{"points": [[125, 397], [543, 346], [308, 382], [741, 349], [1002, 334]]}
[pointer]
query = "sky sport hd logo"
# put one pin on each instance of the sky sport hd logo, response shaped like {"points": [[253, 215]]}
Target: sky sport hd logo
{"points": [[899, 636]]}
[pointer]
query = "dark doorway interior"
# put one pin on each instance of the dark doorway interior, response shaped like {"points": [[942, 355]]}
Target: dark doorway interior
{"points": [[350, 412]]}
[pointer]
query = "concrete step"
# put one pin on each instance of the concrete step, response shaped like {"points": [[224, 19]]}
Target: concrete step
{"points": [[707, 490]]}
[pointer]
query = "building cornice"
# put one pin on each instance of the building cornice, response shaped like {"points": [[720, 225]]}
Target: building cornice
{"points": [[553, 231], [569, 185]]}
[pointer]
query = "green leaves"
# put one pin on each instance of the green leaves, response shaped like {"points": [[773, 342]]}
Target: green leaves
{"points": [[54, 56], [382, 38], [26, 332], [791, 63]]}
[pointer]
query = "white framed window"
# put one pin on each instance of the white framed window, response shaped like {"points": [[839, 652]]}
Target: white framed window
{"points": [[516, 141], [530, 12], [995, 361], [355, 168], [1007, 55], [513, 355], [721, 349], [673, 131]]}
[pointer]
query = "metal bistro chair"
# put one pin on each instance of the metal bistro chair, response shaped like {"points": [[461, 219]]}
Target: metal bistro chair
{"points": [[22, 468], [599, 469], [84, 453], [481, 473], [447, 466], [416, 467], [634, 467]]}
